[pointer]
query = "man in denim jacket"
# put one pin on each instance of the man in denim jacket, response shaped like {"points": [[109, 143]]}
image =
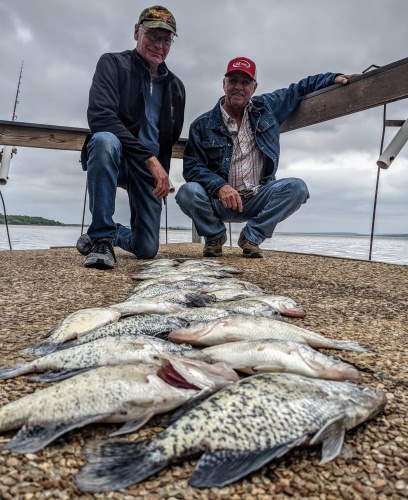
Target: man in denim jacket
{"points": [[135, 113], [232, 156]]}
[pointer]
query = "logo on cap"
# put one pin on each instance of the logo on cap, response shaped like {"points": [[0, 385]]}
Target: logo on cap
{"points": [[241, 64]]}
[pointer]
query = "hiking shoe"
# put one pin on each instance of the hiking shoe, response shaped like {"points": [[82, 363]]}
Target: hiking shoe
{"points": [[84, 244], [101, 255], [214, 248], [249, 249]]}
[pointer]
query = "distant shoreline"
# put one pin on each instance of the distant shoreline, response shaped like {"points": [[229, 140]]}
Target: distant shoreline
{"points": [[181, 228]]}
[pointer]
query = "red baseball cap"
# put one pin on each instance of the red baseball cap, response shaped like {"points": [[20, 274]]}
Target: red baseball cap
{"points": [[242, 64]]}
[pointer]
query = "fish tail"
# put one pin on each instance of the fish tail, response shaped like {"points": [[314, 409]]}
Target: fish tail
{"points": [[350, 345], [117, 464], [41, 349], [14, 371]]}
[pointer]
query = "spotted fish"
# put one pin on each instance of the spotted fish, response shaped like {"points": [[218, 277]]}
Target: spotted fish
{"points": [[120, 393], [238, 430]]}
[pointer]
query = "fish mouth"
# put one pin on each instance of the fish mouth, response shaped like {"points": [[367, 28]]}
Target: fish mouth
{"points": [[172, 377]]}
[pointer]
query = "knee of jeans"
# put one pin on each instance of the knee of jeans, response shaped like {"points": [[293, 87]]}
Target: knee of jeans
{"points": [[187, 193], [145, 249], [105, 143], [299, 188]]}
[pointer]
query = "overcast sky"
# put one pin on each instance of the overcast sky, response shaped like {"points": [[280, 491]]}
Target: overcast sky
{"points": [[61, 41]]}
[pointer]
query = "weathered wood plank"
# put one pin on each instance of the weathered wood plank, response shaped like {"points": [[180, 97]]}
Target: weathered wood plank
{"points": [[35, 135], [374, 88]]}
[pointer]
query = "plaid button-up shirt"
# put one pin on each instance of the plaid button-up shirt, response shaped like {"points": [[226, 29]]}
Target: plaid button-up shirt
{"points": [[247, 159]]}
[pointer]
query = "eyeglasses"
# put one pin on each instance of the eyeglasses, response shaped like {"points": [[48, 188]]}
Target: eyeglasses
{"points": [[156, 38]]}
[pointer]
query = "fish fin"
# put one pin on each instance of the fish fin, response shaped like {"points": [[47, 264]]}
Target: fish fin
{"points": [[221, 467], [113, 465], [31, 438], [41, 349], [14, 371], [134, 424], [200, 300], [54, 375], [331, 435], [350, 345], [274, 367]]}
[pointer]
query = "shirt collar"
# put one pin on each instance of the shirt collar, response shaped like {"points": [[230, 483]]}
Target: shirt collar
{"points": [[226, 117]]}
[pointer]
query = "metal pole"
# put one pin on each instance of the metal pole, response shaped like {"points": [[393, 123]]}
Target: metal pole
{"points": [[83, 211], [165, 211], [376, 186]]}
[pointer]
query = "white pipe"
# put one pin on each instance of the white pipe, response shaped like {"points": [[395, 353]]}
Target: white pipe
{"points": [[5, 160], [395, 146]]}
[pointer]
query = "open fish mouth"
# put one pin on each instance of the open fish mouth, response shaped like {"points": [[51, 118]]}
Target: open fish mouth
{"points": [[172, 377]]}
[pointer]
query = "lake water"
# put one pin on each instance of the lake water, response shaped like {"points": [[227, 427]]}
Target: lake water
{"points": [[385, 249]]}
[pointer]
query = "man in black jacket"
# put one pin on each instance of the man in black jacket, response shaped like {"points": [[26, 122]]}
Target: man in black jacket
{"points": [[135, 113]]}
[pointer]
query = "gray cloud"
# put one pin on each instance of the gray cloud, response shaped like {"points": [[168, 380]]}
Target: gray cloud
{"points": [[60, 43]]}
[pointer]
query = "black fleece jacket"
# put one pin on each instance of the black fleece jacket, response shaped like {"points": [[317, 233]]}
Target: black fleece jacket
{"points": [[116, 105]]}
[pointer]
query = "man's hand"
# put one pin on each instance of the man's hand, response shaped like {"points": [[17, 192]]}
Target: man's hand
{"points": [[230, 198], [161, 178], [343, 79]]}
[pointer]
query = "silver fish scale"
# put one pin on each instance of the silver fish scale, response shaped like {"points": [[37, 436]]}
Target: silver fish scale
{"points": [[149, 324], [243, 416], [200, 314], [157, 289], [248, 306]]}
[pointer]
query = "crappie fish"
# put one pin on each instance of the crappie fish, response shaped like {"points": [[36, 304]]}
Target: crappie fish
{"points": [[250, 306], [284, 305], [243, 327], [136, 305], [159, 273], [238, 430], [155, 325], [199, 314], [227, 294], [179, 298], [170, 280], [158, 289], [127, 393], [198, 266], [259, 356], [103, 351], [230, 283], [76, 323], [161, 263]]}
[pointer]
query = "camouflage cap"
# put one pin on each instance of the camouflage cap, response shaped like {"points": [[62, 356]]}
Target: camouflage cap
{"points": [[158, 17]]}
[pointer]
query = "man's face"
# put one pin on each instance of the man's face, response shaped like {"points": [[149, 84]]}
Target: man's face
{"points": [[239, 88], [153, 44]]}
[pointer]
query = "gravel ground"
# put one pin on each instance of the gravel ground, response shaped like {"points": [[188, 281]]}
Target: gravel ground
{"points": [[344, 299]]}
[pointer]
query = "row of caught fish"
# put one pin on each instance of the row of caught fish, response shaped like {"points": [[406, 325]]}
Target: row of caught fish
{"points": [[241, 329]]}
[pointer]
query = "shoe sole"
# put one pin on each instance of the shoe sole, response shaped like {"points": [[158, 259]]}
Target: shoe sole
{"points": [[99, 264], [254, 255], [211, 254]]}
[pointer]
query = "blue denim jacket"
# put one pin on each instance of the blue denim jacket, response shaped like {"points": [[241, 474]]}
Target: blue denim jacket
{"points": [[207, 156]]}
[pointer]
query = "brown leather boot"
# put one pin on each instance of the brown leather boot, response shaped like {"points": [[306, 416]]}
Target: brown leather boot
{"points": [[214, 248], [249, 249]]}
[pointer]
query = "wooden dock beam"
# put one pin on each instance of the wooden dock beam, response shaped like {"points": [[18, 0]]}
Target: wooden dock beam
{"points": [[374, 88]]}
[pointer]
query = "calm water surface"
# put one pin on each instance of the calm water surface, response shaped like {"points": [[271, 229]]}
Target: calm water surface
{"points": [[385, 249]]}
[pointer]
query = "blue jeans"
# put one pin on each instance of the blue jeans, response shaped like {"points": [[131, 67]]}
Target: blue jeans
{"points": [[274, 202], [108, 170]]}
